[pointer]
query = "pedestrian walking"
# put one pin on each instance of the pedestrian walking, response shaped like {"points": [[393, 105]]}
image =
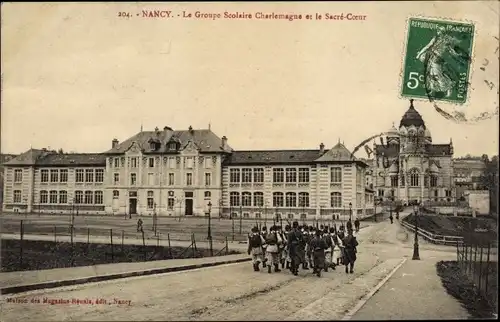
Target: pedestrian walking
{"points": [[390, 217], [282, 246], [356, 225], [264, 235], [255, 242], [305, 245], [336, 249], [294, 244], [350, 244], [139, 225], [317, 247], [349, 224]]}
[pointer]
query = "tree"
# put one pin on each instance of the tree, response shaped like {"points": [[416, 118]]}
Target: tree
{"points": [[489, 181]]}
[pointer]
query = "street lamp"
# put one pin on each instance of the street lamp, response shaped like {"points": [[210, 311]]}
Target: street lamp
{"points": [[416, 255], [350, 211], [209, 228]]}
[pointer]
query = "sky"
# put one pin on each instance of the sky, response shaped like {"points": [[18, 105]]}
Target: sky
{"points": [[75, 76]]}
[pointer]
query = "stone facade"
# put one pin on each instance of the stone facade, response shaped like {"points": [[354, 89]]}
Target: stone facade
{"points": [[174, 173], [409, 167]]}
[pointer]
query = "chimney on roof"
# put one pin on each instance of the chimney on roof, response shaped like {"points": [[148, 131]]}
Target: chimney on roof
{"points": [[114, 143], [321, 149], [224, 142], [168, 131]]}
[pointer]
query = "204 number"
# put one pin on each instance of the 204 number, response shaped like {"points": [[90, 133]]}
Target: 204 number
{"points": [[124, 14], [414, 80]]}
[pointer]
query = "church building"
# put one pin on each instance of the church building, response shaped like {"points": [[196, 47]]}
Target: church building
{"points": [[409, 167]]}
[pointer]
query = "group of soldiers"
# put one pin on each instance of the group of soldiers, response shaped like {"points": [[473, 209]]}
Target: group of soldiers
{"points": [[319, 248]]}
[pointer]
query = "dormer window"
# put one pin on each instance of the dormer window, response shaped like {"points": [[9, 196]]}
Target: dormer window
{"points": [[152, 146], [172, 146]]}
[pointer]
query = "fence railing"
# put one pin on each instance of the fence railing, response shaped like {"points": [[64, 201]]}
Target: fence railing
{"points": [[434, 238], [479, 264], [115, 246], [439, 239]]}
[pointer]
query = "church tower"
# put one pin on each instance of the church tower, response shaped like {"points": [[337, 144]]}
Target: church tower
{"points": [[413, 159]]}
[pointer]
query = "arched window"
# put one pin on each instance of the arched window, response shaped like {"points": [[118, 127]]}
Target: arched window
{"points": [[78, 197], [303, 199], [246, 199], [116, 194], [291, 199], [277, 199], [234, 199], [208, 194], [258, 199], [414, 178], [336, 199]]}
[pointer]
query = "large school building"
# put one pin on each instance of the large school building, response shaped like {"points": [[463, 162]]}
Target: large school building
{"points": [[189, 173]]}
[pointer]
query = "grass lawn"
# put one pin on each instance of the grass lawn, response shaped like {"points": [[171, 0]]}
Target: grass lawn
{"points": [[37, 255]]}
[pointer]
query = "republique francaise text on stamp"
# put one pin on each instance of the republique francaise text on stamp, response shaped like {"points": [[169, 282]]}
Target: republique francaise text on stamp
{"points": [[437, 60]]}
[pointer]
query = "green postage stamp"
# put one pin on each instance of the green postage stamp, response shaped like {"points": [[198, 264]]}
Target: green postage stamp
{"points": [[437, 60]]}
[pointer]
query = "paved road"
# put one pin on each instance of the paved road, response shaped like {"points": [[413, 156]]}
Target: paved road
{"points": [[232, 292]]}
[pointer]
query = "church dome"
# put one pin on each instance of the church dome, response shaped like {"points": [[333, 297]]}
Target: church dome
{"points": [[392, 132], [412, 117]]}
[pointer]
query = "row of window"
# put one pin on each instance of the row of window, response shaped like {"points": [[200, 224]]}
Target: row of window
{"points": [[280, 199], [258, 215], [280, 175], [170, 179], [171, 162], [61, 197], [61, 175], [414, 180]]}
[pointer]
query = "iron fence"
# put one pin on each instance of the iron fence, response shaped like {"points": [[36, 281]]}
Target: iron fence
{"points": [[478, 261]]}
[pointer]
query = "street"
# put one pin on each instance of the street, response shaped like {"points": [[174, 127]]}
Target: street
{"points": [[230, 292]]}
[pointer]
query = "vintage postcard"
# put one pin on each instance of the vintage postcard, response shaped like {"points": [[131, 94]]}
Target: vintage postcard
{"points": [[249, 161]]}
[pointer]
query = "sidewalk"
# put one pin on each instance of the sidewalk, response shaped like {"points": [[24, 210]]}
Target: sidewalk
{"points": [[415, 291], [16, 282]]}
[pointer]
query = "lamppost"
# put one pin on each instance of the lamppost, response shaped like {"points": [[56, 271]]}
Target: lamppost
{"points": [[416, 255], [350, 211], [209, 228], [155, 219]]}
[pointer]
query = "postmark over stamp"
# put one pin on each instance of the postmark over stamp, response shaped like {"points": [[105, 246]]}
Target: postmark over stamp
{"points": [[437, 60]]}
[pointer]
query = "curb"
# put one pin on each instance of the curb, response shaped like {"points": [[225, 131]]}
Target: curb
{"points": [[93, 279]]}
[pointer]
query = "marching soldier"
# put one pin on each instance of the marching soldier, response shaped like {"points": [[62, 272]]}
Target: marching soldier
{"points": [[282, 249], [350, 251], [305, 247], [264, 236], [294, 244], [328, 251], [272, 241], [255, 242], [317, 247]]}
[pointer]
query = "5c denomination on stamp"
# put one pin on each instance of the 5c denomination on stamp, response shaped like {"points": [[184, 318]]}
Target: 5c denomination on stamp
{"points": [[437, 60]]}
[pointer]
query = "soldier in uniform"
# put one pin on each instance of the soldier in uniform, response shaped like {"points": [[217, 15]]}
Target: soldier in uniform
{"points": [[272, 241], [264, 236], [350, 244], [328, 251], [255, 242], [305, 247], [286, 253], [294, 244], [282, 247], [317, 247]]}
